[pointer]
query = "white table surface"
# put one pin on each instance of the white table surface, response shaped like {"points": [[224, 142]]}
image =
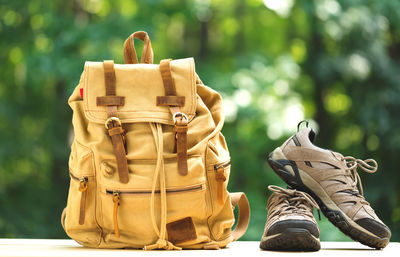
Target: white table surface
{"points": [[57, 247]]}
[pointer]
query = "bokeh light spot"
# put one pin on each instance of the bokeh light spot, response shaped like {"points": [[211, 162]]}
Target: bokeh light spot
{"points": [[373, 143], [281, 7], [337, 103], [15, 55]]}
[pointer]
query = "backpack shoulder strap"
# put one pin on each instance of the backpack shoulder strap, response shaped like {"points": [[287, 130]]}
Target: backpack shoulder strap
{"points": [[240, 200]]}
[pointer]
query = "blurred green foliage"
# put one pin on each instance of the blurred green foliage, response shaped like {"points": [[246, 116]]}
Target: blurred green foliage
{"points": [[276, 62]]}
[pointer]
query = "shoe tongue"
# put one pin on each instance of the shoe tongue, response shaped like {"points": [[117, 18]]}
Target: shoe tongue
{"points": [[337, 155]]}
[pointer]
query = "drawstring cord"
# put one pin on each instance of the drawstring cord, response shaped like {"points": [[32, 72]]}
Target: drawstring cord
{"points": [[155, 177], [162, 242]]}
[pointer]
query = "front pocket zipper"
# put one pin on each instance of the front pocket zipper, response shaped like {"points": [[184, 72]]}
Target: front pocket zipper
{"points": [[83, 186], [220, 178], [116, 198]]}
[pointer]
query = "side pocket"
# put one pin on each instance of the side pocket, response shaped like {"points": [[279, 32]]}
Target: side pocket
{"points": [[218, 171], [80, 223]]}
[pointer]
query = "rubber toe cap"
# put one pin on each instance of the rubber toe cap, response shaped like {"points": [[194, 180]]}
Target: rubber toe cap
{"points": [[281, 226], [375, 227]]}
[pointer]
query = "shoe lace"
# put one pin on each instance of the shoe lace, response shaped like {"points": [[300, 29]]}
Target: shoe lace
{"points": [[291, 201], [352, 164]]}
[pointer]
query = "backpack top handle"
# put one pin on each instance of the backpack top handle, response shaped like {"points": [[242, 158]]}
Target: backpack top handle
{"points": [[130, 55]]}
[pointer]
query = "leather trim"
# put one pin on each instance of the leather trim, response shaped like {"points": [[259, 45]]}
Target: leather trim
{"points": [[239, 199], [170, 100], [181, 231], [110, 100]]}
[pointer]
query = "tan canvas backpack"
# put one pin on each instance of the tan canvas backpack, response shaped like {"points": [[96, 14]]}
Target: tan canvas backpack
{"points": [[149, 166]]}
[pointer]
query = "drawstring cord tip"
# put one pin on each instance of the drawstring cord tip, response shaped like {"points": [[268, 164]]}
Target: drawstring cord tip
{"points": [[162, 244]]}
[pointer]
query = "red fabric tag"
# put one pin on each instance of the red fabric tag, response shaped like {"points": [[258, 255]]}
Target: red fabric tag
{"points": [[81, 91]]}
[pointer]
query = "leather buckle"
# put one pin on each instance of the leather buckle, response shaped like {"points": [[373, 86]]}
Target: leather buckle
{"points": [[179, 114], [118, 124], [111, 120]]}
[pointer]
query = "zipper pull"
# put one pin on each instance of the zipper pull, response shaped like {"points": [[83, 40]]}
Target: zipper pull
{"points": [[83, 186], [220, 178], [116, 200]]}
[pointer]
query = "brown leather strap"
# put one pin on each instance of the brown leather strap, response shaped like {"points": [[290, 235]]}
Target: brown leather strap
{"points": [[181, 129], [130, 55], [240, 200], [82, 208], [113, 124], [170, 97], [118, 143], [181, 120], [165, 69], [115, 131], [109, 76], [110, 100], [170, 100]]}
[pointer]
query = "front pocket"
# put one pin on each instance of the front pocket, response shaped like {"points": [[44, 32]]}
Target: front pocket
{"points": [[127, 216]]}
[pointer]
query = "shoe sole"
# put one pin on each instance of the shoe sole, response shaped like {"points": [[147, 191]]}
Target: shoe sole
{"points": [[288, 171], [291, 239]]}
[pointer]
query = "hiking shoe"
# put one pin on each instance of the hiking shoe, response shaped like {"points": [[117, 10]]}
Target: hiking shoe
{"points": [[332, 180], [290, 223]]}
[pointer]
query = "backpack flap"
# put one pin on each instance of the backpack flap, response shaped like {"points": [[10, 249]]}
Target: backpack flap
{"points": [[139, 85]]}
